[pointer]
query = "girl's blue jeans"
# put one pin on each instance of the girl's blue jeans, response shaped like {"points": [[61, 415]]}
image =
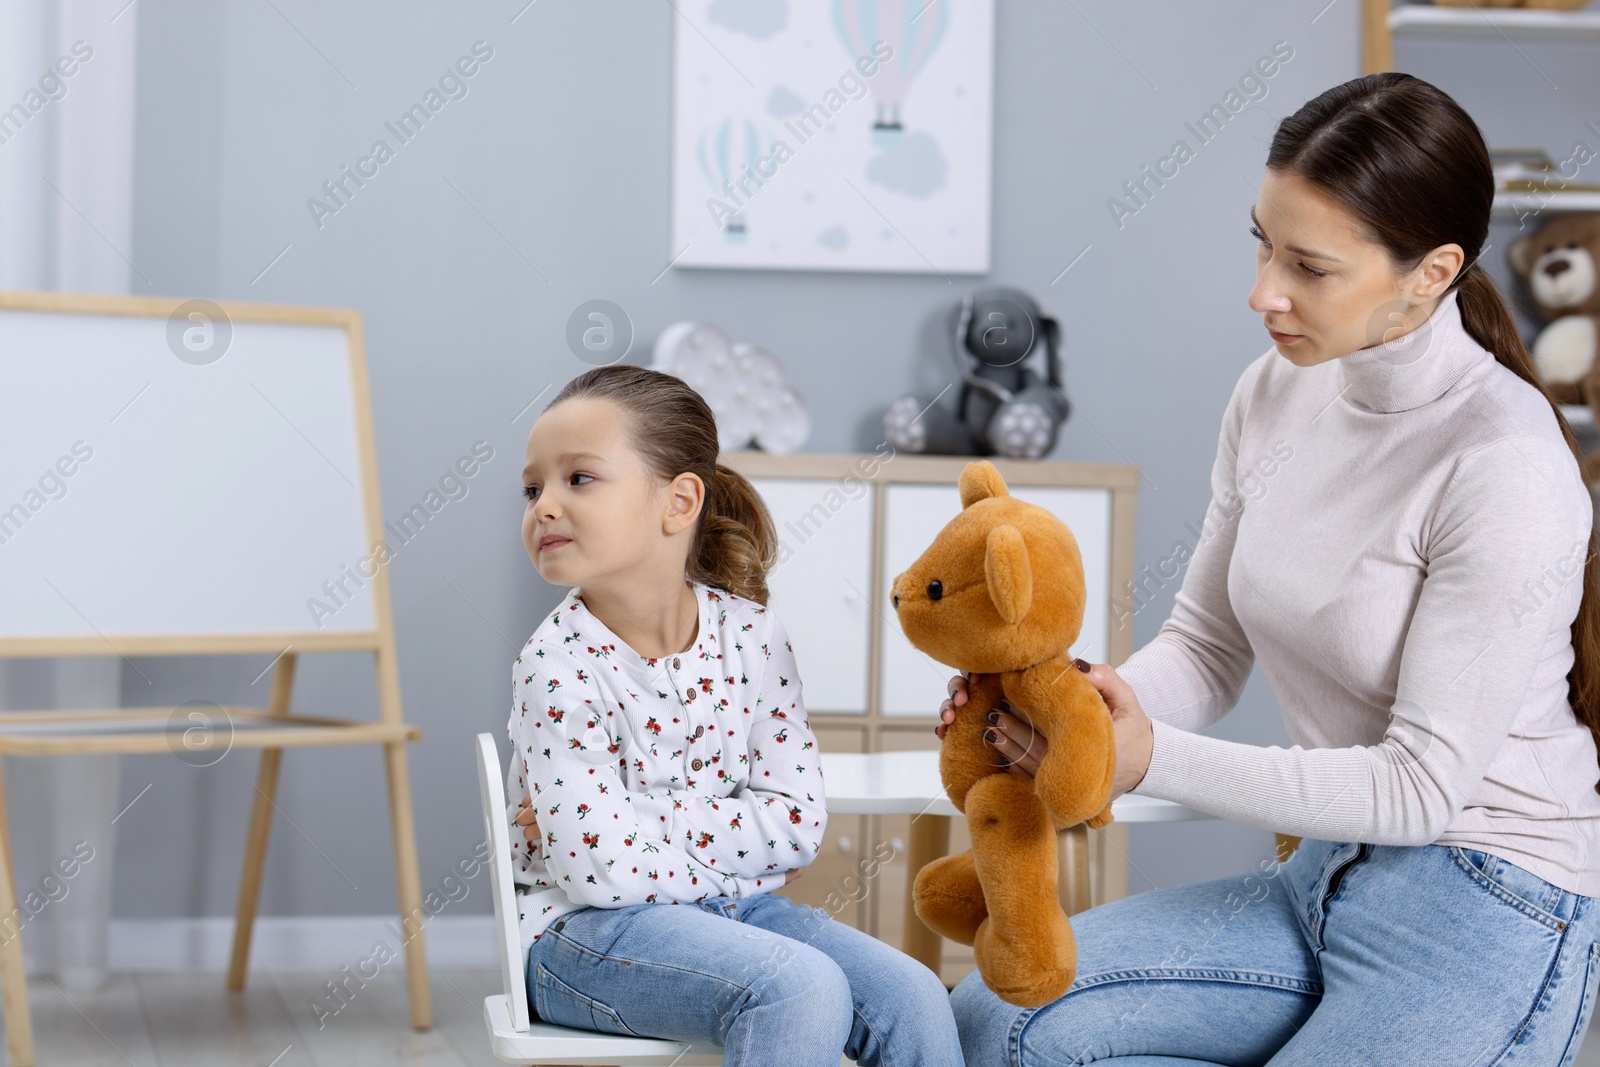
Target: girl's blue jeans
{"points": [[1348, 953], [772, 981]]}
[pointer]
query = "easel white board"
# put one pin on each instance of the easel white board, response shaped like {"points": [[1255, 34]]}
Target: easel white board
{"points": [[216, 500]]}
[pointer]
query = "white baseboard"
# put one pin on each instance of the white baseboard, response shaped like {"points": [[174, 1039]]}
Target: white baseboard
{"points": [[320, 943]]}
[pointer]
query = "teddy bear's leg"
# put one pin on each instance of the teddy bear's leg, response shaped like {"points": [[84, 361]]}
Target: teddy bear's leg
{"points": [[1025, 948], [966, 757], [948, 898], [1074, 779]]}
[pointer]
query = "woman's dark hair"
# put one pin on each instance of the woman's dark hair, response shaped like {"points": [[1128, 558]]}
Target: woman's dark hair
{"points": [[674, 432], [1411, 165]]}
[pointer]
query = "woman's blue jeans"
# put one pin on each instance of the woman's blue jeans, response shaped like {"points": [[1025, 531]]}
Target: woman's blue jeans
{"points": [[1348, 953], [772, 981]]}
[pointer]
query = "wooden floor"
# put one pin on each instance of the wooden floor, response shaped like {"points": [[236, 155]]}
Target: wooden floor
{"points": [[190, 1020]]}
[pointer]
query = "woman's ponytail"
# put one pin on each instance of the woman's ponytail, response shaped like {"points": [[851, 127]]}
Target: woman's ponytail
{"points": [[1486, 317]]}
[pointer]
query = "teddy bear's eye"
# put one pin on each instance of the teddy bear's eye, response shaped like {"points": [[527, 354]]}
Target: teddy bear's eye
{"points": [[935, 590]]}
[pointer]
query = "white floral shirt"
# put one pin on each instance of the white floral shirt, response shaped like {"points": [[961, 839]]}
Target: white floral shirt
{"points": [[659, 779]]}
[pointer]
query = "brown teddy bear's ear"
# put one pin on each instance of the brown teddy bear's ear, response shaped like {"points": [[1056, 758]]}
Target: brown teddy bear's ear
{"points": [[1517, 253], [1008, 572], [979, 481]]}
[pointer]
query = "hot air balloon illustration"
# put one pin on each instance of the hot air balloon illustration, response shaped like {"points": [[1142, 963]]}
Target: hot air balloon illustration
{"points": [[729, 154], [912, 28]]}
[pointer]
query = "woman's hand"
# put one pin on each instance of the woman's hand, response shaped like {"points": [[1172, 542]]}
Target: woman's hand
{"points": [[527, 820], [792, 875], [1021, 745], [947, 710]]}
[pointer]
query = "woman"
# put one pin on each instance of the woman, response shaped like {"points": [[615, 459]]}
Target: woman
{"points": [[1400, 532]]}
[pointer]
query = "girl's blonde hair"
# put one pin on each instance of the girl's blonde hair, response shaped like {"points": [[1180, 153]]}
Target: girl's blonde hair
{"points": [[673, 430]]}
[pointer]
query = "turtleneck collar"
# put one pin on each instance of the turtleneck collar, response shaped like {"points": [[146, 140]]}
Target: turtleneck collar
{"points": [[1415, 368]]}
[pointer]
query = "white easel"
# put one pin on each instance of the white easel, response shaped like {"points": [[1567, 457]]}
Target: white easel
{"points": [[161, 549]]}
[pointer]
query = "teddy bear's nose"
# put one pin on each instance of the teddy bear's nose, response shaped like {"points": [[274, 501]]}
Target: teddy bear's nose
{"points": [[896, 599], [935, 590], [1557, 267]]}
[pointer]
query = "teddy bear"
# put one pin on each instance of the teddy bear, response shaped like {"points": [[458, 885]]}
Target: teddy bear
{"points": [[1000, 593], [1558, 262]]}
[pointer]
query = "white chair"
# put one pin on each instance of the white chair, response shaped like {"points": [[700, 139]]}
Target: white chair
{"points": [[512, 1036]]}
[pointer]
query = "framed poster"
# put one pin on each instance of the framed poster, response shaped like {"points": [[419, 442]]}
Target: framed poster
{"points": [[832, 134]]}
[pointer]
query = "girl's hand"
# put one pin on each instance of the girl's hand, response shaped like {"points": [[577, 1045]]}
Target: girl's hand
{"points": [[527, 820], [792, 875]]}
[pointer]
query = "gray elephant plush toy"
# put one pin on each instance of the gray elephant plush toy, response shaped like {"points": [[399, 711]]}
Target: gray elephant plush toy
{"points": [[1003, 407]]}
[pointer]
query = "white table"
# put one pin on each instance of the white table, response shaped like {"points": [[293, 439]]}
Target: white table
{"points": [[907, 783]]}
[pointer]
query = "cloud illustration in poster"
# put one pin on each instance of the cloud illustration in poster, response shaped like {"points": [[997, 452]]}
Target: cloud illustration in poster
{"points": [[834, 237], [914, 166], [755, 18], [783, 102]]}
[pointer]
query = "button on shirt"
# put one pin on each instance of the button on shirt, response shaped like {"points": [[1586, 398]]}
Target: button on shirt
{"points": [[659, 779]]}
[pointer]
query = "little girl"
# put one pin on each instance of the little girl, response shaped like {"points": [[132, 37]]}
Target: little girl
{"points": [[663, 755]]}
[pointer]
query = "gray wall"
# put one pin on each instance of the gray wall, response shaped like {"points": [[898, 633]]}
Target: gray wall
{"points": [[245, 109]]}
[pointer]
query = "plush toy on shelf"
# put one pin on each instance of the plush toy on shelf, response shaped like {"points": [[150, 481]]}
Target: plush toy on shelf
{"points": [[1558, 261], [1003, 406], [1000, 592]]}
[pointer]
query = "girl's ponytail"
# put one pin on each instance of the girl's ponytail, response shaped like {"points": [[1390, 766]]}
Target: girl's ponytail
{"points": [[675, 432], [737, 543]]}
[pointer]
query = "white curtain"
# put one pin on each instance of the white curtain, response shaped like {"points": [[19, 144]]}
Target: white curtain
{"points": [[66, 223]]}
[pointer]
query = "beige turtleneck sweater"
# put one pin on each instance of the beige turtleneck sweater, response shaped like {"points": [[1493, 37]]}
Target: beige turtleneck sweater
{"points": [[1399, 535]]}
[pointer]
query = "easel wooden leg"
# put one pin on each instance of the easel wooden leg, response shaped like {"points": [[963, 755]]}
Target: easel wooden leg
{"points": [[408, 884], [930, 839], [255, 849], [13, 973], [255, 854]]}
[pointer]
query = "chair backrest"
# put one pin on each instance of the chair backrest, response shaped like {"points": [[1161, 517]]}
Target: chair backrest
{"points": [[497, 832]]}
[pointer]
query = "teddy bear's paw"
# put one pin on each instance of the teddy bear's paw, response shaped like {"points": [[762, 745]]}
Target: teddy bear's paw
{"points": [[1103, 819], [948, 898], [1028, 967]]}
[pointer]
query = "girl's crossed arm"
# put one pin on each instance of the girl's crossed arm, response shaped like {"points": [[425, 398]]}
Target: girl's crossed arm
{"points": [[591, 835], [776, 822]]}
